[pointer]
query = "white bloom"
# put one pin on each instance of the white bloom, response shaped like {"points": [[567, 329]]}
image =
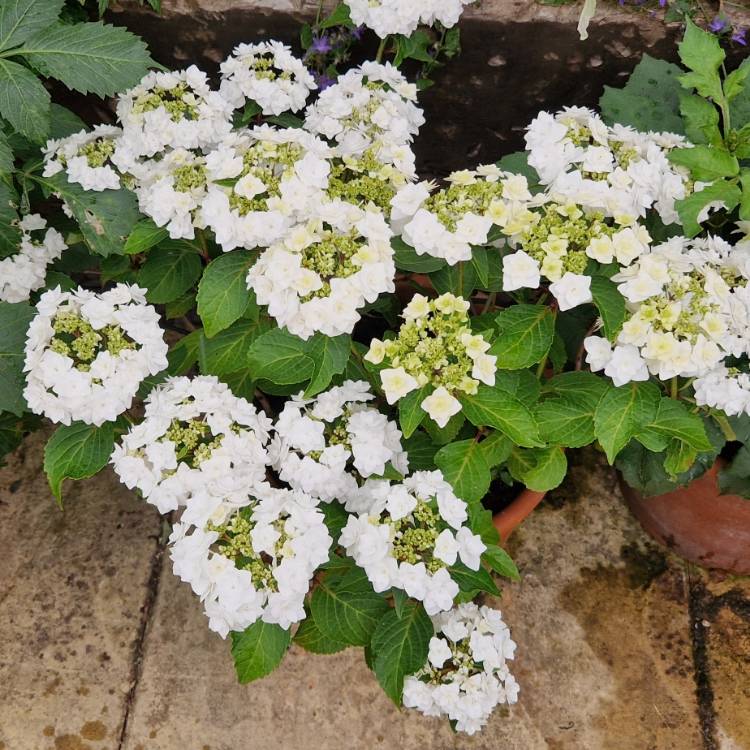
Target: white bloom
{"points": [[387, 17], [25, 271], [520, 271], [441, 406], [268, 74], [86, 353], [571, 290], [397, 383], [626, 365], [475, 643]]}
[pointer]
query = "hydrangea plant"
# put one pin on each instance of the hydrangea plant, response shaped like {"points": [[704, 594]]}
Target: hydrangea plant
{"points": [[339, 363]]}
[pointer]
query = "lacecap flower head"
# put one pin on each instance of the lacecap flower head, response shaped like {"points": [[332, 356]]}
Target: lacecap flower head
{"points": [[275, 179], [256, 563], [25, 271], [386, 17], [86, 354], [86, 158], [446, 223], [198, 444], [466, 674], [268, 74], [411, 536], [330, 445], [319, 277], [434, 347]]}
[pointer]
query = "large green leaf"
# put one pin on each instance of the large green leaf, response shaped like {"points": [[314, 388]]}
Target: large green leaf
{"points": [[169, 271], [77, 451], [473, 582], [14, 322], [610, 303], [399, 647], [540, 469], [622, 413], [674, 420], [526, 333], [410, 411], [223, 295], [280, 357], [312, 638], [89, 57], [706, 163], [407, 259], [106, 218], [494, 407], [10, 234], [465, 466], [566, 421], [228, 352], [689, 208], [580, 386], [650, 99], [459, 279], [144, 236], [701, 52], [329, 355], [11, 434], [24, 102], [258, 650], [6, 157], [21, 19], [501, 562]]}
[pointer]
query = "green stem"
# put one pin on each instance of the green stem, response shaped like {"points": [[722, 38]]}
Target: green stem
{"points": [[674, 388], [381, 50], [542, 366], [726, 428]]}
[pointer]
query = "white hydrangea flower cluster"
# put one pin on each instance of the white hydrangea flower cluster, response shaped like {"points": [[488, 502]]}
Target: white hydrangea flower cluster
{"points": [[330, 445], [466, 675], [724, 388], [447, 223], [86, 158], [197, 445], [371, 109], [557, 244], [435, 346], [688, 311], [172, 109], [319, 276], [257, 562], [410, 537], [24, 272], [268, 74], [279, 176], [387, 17], [616, 169], [86, 353]]}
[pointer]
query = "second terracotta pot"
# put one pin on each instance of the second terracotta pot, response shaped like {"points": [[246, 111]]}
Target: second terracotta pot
{"points": [[697, 522]]}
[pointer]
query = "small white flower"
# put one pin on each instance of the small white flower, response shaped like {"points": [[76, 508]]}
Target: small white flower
{"points": [[440, 405], [572, 290]]}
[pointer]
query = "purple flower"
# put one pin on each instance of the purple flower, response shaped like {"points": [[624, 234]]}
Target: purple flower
{"points": [[321, 44], [323, 81], [718, 25], [358, 32]]}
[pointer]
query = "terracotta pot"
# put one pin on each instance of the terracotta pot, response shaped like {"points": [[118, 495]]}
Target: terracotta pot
{"points": [[508, 519], [697, 522]]}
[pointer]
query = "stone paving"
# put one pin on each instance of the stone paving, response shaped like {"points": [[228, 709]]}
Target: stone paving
{"points": [[620, 646]]}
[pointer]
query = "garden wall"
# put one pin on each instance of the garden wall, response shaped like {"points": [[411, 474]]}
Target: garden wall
{"points": [[518, 57]]}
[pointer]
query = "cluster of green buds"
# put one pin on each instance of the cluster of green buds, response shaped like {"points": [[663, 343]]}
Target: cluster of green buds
{"points": [[193, 440], [76, 338], [434, 347], [179, 102], [414, 537], [365, 180]]}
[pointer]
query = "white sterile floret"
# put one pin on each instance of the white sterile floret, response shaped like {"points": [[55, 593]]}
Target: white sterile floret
{"points": [[571, 290], [279, 176], [87, 353], [434, 347], [447, 223], [268, 74], [370, 108], [257, 562], [386, 17], [410, 536], [197, 441], [319, 277], [466, 675], [328, 446], [724, 388], [614, 170], [688, 306], [85, 157], [25, 271], [173, 109]]}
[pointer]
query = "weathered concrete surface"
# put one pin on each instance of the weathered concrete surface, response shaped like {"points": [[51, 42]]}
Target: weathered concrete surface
{"points": [[72, 589], [619, 646], [518, 57]]}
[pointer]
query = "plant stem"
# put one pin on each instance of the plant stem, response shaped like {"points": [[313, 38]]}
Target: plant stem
{"points": [[542, 365], [674, 388], [381, 50], [490, 302], [726, 428]]}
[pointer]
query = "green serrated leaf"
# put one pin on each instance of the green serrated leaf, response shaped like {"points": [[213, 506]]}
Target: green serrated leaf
{"points": [[339, 16], [169, 271], [610, 303], [464, 466], [581, 387], [410, 411], [501, 562], [312, 639], [10, 234], [706, 163], [566, 421], [77, 451], [680, 457], [228, 351], [496, 448], [223, 295], [421, 451], [89, 57], [14, 322], [689, 208], [526, 333], [399, 647], [540, 469], [701, 120], [459, 279], [24, 102], [144, 235], [280, 357], [21, 19], [407, 259], [493, 407], [6, 155], [258, 650], [473, 582], [329, 355], [674, 420]]}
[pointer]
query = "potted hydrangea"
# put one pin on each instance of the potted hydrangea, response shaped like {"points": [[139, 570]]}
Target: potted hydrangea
{"points": [[360, 364]]}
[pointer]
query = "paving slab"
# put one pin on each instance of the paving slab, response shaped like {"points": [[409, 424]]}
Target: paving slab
{"points": [[604, 658], [72, 585]]}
